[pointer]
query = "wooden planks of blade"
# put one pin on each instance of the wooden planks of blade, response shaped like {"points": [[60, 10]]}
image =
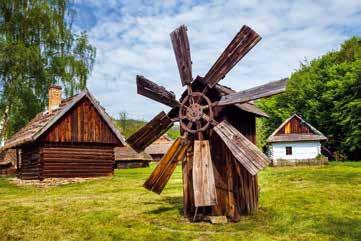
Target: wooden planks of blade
{"points": [[266, 90], [242, 149], [241, 44], [163, 171], [150, 132], [155, 92], [182, 54], [203, 177]]}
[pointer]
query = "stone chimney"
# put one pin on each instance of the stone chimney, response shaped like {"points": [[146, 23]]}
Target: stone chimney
{"points": [[54, 96]]}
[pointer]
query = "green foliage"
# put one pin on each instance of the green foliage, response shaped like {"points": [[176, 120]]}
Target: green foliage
{"points": [[327, 93], [129, 126], [37, 49], [296, 203], [173, 132]]}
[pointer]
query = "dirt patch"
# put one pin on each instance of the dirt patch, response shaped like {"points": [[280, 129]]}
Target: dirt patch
{"points": [[49, 182]]}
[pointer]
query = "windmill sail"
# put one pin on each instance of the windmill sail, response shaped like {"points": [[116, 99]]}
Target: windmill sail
{"points": [[241, 44], [242, 149], [203, 177], [266, 90], [182, 54], [165, 168], [150, 132], [155, 92]]}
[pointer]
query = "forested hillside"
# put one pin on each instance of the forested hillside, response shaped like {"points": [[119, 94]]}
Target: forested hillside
{"points": [[129, 126], [327, 93]]}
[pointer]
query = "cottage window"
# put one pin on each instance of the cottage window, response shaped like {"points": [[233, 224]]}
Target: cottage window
{"points": [[288, 150]]}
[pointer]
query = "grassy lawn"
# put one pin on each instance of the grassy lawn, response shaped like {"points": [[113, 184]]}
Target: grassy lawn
{"points": [[299, 203]]}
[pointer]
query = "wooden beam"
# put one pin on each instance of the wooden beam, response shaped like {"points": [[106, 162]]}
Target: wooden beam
{"points": [[242, 149], [266, 90], [182, 53], [163, 171], [203, 177], [155, 92], [150, 132], [241, 44]]}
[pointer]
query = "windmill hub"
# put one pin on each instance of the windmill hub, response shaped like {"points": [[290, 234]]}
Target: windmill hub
{"points": [[195, 113]]}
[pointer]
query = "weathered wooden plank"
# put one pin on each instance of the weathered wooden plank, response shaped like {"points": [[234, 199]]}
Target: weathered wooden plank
{"points": [[83, 123], [255, 93], [241, 44], [203, 177], [243, 150], [188, 193], [150, 132], [155, 92], [182, 53], [163, 171]]}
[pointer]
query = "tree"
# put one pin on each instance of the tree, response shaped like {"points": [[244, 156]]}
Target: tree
{"points": [[123, 120], [327, 93], [37, 49]]}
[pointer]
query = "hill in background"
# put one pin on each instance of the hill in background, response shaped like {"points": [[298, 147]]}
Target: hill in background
{"points": [[129, 126]]}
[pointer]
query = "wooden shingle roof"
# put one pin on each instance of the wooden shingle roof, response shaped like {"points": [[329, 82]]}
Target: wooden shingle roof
{"points": [[314, 135], [159, 146], [126, 153], [44, 120]]}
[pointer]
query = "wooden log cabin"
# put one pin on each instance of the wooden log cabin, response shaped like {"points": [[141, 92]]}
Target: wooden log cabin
{"points": [[126, 157], [159, 147], [75, 137]]}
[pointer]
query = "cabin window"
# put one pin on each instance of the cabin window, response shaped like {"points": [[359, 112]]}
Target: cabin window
{"points": [[288, 150]]}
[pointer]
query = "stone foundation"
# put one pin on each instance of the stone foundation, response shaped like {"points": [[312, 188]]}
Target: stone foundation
{"points": [[303, 162]]}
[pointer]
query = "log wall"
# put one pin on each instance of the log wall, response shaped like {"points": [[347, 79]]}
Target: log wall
{"points": [[77, 161], [54, 160], [31, 165]]}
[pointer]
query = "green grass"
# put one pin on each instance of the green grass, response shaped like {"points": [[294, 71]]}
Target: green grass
{"points": [[296, 203]]}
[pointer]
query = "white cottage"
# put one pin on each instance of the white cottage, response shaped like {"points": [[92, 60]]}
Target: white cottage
{"points": [[296, 142]]}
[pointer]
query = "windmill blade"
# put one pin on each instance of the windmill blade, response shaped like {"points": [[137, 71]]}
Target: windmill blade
{"points": [[242, 149], [203, 177], [155, 92], [182, 53], [241, 44], [266, 90], [163, 171], [150, 132]]}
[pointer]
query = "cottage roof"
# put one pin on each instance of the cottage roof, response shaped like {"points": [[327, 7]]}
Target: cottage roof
{"points": [[159, 146], [126, 153], [44, 120], [8, 156], [314, 135]]}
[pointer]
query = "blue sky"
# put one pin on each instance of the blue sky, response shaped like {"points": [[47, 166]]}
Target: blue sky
{"points": [[132, 37]]}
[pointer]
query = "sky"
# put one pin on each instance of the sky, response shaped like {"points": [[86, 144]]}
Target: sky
{"points": [[132, 37]]}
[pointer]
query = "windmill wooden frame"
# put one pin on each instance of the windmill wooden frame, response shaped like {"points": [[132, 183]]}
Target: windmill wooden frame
{"points": [[206, 132]]}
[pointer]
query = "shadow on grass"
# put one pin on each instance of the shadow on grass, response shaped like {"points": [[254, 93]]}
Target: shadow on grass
{"points": [[170, 204]]}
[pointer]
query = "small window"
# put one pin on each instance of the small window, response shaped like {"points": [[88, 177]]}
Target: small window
{"points": [[288, 150]]}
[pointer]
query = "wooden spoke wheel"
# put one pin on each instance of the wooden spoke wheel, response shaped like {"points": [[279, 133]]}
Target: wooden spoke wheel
{"points": [[195, 112]]}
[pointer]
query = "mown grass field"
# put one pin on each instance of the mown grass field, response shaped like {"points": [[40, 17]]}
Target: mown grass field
{"points": [[299, 203]]}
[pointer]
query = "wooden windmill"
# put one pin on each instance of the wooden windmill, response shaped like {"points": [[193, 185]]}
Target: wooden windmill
{"points": [[203, 119]]}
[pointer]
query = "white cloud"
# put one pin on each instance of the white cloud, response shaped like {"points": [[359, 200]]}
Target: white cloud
{"points": [[133, 38]]}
